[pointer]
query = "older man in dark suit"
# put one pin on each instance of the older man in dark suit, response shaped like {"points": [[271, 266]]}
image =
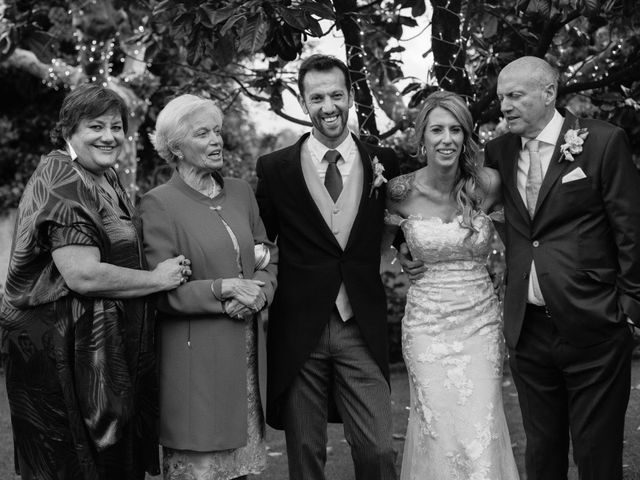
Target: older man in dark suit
{"points": [[573, 273], [322, 200]]}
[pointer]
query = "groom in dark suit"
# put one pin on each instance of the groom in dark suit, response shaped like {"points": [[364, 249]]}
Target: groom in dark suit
{"points": [[572, 212], [322, 200]]}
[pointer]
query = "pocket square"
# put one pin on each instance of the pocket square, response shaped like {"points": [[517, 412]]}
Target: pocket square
{"points": [[574, 175]]}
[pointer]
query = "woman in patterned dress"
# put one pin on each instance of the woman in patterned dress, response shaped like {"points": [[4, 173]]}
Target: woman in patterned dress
{"points": [[211, 329], [76, 339]]}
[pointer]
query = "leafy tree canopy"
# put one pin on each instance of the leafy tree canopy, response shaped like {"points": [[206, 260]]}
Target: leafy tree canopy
{"points": [[151, 50]]}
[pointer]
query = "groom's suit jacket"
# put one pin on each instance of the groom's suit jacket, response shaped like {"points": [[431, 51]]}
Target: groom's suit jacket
{"points": [[584, 236], [312, 265]]}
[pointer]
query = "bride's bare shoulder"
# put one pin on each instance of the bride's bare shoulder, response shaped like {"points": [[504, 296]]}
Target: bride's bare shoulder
{"points": [[398, 188]]}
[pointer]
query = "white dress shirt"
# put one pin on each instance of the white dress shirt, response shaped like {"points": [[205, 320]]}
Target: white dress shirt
{"points": [[547, 138], [347, 149]]}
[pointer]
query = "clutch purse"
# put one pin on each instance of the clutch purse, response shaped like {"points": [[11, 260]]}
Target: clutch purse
{"points": [[262, 256]]}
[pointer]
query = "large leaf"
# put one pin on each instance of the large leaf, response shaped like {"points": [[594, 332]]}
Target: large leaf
{"points": [[314, 26], [408, 21], [230, 23], [591, 7], [540, 7], [418, 8], [296, 18], [253, 35], [318, 8], [219, 15], [490, 26], [161, 7]]}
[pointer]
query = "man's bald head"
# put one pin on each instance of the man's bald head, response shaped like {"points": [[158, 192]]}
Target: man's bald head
{"points": [[534, 68], [527, 90]]}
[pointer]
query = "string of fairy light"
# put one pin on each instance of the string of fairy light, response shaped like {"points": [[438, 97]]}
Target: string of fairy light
{"points": [[101, 53]]}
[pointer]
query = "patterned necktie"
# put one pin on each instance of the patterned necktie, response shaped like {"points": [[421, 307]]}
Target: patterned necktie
{"points": [[534, 175], [333, 179]]}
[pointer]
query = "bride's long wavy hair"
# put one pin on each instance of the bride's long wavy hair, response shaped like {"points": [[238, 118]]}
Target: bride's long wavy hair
{"points": [[466, 183]]}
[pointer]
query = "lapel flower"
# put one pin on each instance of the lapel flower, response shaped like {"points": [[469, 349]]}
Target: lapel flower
{"points": [[378, 177], [574, 139]]}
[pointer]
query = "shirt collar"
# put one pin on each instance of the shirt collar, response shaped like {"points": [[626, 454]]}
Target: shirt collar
{"points": [[319, 149], [549, 134]]}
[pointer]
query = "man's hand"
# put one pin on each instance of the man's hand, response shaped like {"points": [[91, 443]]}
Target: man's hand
{"points": [[413, 268]]}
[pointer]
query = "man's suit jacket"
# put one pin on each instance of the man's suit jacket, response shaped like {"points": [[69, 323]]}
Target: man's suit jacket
{"points": [[584, 236], [312, 265]]}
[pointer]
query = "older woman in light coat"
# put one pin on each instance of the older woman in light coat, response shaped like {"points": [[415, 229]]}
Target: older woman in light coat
{"points": [[210, 330]]}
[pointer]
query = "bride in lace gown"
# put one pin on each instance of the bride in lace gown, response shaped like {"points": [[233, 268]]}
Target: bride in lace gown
{"points": [[452, 329]]}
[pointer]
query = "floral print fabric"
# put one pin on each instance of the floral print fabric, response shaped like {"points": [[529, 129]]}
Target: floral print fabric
{"points": [[453, 347]]}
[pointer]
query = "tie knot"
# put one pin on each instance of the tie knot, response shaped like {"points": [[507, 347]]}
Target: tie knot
{"points": [[532, 145], [332, 156]]}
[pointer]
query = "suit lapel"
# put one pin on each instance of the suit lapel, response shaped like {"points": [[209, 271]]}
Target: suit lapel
{"points": [[294, 178], [510, 174], [367, 180], [556, 167]]}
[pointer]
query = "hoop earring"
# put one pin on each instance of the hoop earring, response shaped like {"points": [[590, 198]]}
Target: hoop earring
{"points": [[422, 152]]}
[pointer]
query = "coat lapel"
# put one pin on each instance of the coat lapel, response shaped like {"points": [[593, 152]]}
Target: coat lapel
{"points": [[510, 170], [556, 167], [367, 180]]}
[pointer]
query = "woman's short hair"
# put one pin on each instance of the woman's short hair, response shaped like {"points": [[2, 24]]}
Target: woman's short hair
{"points": [[87, 101], [171, 127]]}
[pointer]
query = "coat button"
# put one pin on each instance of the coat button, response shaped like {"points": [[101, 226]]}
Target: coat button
{"points": [[525, 275], [536, 243]]}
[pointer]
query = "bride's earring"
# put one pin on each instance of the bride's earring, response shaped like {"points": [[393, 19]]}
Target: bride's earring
{"points": [[423, 154]]}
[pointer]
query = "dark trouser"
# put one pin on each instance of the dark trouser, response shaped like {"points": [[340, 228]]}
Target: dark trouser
{"points": [[563, 388], [340, 364]]}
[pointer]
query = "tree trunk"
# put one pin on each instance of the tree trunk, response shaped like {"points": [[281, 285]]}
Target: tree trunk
{"points": [[345, 12], [449, 51]]}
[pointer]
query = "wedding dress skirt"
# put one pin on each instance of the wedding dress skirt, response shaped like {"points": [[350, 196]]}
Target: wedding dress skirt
{"points": [[453, 348]]}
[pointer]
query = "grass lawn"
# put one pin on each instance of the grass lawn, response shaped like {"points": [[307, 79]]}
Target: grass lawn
{"points": [[339, 465]]}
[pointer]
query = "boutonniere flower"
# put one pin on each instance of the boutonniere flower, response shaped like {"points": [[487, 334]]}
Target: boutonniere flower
{"points": [[378, 177], [574, 139]]}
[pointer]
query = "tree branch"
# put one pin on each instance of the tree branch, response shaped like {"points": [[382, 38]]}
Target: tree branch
{"points": [[630, 72], [27, 61], [280, 113]]}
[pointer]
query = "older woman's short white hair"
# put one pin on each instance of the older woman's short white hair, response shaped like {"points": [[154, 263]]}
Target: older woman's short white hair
{"points": [[171, 125]]}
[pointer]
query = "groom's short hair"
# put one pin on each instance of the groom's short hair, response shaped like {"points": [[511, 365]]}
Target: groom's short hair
{"points": [[322, 63]]}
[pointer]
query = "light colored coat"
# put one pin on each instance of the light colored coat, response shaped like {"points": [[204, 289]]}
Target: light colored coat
{"points": [[202, 351]]}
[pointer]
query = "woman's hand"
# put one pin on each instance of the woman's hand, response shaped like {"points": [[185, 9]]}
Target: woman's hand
{"points": [[246, 291], [235, 309], [173, 272]]}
